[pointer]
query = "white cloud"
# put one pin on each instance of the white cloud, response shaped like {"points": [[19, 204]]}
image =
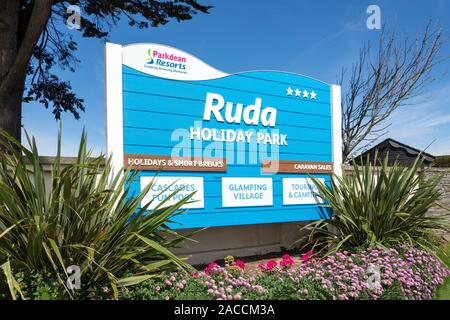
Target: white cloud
{"points": [[437, 121]]}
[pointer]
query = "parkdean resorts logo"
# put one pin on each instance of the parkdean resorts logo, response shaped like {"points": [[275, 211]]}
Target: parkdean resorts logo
{"points": [[149, 59], [165, 60]]}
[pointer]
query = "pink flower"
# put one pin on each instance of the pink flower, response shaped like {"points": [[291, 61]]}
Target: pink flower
{"points": [[286, 261], [180, 285], [269, 266], [307, 256], [239, 263], [211, 267], [286, 257]]}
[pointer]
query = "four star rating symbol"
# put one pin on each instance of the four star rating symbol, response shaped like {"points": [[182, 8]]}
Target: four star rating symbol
{"points": [[289, 91], [298, 93]]}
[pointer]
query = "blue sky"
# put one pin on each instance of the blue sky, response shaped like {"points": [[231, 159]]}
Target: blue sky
{"points": [[311, 37]]}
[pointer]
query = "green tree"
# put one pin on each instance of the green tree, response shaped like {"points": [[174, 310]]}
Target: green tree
{"points": [[34, 40]]}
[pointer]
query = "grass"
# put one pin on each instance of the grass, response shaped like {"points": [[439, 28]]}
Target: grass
{"points": [[443, 292]]}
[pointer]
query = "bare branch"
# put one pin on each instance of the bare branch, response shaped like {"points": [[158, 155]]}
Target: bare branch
{"points": [[382, 82]]}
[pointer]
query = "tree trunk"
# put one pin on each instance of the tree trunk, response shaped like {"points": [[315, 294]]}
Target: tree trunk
{"points": [[15, 55], [10, 95], [11, 113]]}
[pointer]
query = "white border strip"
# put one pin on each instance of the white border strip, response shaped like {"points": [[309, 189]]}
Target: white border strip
{"points": [[114, 105], [336, 128]]}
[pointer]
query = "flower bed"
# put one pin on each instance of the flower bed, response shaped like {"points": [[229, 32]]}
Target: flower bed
{"points": [[396, 273]]}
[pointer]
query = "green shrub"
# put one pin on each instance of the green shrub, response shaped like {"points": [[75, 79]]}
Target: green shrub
{"points": [[38, 286], [265, 286], [442, 162], [280, 286], [378, 205], [393, 292], [443, 291], [183, 287], [85, 216], [401, 273]]}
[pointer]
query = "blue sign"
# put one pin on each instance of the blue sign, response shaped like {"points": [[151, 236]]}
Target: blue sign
{"points": [[245, 143]]}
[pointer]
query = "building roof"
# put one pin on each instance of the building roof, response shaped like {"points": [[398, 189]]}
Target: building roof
{"points": [[391, 144]]}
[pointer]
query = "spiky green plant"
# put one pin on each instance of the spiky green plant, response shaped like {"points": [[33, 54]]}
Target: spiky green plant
{"points": [[377, 204], [82, 216]]}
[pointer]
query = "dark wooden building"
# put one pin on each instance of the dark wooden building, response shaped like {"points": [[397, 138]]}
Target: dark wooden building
{"points": [[396, 151]]}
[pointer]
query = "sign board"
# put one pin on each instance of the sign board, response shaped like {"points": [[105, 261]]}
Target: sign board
{"points": [[245, 143]]}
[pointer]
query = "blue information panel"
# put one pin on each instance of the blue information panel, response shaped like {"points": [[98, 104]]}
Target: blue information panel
{"points": [[246, 143]]}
